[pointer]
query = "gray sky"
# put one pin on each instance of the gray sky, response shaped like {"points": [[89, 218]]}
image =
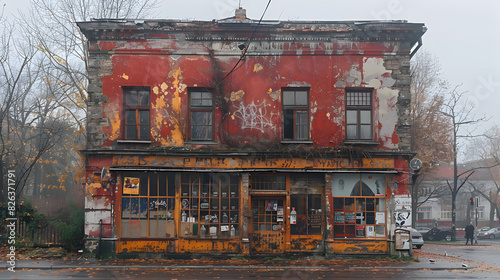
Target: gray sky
{"points": [[462, 34]]}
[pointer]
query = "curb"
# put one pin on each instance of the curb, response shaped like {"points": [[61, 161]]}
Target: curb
{"points": [[61, 267]]}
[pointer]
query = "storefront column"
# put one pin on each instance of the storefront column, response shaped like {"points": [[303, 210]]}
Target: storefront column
{"points": [[328, 225], [245, 213]]}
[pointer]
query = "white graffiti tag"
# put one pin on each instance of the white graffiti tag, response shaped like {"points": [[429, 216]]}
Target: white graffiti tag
{"points": [[254, 116]]}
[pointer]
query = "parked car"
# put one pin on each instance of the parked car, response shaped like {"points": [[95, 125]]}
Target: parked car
{"points": [[491, 234], [416, 238], [480, 232], [423, 230], [440, 233]]}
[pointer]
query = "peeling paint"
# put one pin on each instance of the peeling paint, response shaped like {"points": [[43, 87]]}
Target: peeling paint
{"points": [[236, 95], [115, 127], [257, 67], [373, 69], [176, 137], [125, 76], [275, 95]]}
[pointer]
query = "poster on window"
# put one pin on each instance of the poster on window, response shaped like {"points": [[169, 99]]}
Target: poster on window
{"points": [[380, 218], [131, 185], [271, 205]]}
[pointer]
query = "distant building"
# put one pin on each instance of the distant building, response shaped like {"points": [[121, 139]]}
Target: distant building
{"points": [[437, 210], [240, 136]]}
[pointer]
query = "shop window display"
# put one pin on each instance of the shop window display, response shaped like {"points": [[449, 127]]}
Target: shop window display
{"points": [[210, 205], [359, 206]]}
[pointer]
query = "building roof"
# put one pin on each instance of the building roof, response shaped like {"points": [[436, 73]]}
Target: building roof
{"points": [[239, 27]]}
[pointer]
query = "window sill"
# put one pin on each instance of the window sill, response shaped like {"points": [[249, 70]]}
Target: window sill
{"points": [[201, 142], [296, 142], [361, 142], [145, 142]]}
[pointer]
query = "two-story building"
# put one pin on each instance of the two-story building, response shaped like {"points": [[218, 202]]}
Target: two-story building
{"points": [[245, 136]]}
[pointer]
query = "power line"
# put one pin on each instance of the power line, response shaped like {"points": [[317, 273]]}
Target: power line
{"points": [[248, 44]]}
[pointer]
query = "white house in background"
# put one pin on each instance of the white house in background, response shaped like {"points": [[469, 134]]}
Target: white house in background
{"points": [[437, 210]]}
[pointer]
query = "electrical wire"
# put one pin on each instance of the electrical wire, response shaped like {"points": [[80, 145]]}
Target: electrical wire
{"points": [[248, 44]]}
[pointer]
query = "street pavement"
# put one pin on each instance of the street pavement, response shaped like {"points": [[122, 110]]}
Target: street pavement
{"points": [[436, 261]]}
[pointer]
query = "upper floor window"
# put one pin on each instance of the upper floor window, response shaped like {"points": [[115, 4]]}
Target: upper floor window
{"points": [[201, 115], [136, 110], [359, 114], [295, 114]]}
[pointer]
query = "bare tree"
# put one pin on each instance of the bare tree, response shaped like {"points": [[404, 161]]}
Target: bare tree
{"points": [[53, 25], [431, 131], [460, 115]]}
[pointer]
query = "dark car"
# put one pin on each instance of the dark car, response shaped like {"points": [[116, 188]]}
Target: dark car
{"points": [[440, 233]]}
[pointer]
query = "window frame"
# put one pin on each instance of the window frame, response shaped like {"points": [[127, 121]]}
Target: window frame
{"points": [[200, 108], [359, 109], [137, 109], [295, 109], [221, 194], [150, 223]]}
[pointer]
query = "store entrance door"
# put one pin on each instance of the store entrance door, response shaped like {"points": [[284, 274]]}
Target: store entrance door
{"points": [[267, 225]]}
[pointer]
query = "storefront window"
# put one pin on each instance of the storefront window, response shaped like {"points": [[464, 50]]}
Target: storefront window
{"points": [[148, 203], [268, 182], [309, 214], [210, 205], [359, 205]]}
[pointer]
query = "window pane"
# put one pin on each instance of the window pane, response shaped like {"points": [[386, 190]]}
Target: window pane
{"points": [[131, 132], [301, 98], [153, 185], [366, 117], [143, 98], [351, 117], [301, 127], [288, 124], [196, 99], [143, 117], [366, 132], [206, 99], [201, 133], [201, 118], [144, 130], [288, 98], [130, 116], [131, 98], [351, 131]]}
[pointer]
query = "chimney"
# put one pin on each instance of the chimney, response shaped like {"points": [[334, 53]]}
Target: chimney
{"points": [[241, 13]]}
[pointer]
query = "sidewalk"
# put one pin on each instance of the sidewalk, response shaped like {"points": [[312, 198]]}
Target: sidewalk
{"points": [[338, 265]]}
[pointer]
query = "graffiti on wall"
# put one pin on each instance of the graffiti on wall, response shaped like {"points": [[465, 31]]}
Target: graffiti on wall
{"points": [[255, 116]]}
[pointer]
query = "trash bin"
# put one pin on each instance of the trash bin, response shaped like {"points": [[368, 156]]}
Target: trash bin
{"points": [[403, 242]]}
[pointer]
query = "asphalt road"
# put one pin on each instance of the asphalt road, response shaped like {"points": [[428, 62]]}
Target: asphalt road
{"points": [[484, 257], [486, 251], [243, 274]]}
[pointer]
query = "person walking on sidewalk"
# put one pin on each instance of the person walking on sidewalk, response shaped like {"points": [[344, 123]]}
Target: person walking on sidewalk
{"points": [[469, 233]]}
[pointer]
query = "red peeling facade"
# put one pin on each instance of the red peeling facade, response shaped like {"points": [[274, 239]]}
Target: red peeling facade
{"points": [[212, 134]]}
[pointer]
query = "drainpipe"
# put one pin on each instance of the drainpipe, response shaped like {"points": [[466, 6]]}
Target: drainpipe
{"points": [[419, 45]]}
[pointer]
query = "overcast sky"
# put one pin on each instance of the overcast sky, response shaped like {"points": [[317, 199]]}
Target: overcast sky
{"points": [[464, 35]]}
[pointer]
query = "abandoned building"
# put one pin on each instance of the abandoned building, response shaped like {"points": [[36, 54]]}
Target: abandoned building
{"points": [[247, 137]]}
